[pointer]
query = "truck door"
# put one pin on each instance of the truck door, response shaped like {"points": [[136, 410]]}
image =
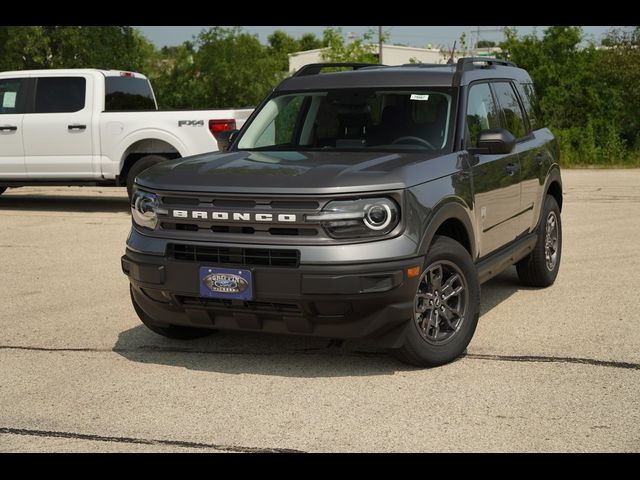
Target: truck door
{"points": [[496, 180], [58, 133], [13, 96]]}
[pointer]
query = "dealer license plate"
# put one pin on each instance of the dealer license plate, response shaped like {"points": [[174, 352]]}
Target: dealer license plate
{"points": [[227, 283]]}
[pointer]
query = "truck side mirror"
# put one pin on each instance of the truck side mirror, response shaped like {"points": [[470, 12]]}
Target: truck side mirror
{"points": [[495, 141], [225, 139]]}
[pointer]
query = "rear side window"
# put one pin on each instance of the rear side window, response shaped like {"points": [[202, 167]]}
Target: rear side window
{"points": [[531, 105], [60, 94], [482, 113], [11, 92], [512, 113], [128, 93]]}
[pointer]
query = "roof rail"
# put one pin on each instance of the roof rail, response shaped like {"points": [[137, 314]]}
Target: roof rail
{"points": [[315, 68], [467, 63]]}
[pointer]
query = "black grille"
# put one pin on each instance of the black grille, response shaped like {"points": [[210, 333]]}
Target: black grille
{"points": [[237, 256], [235, 305]]}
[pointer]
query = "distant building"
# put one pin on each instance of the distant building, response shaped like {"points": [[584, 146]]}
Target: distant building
{"points": [[393, 55]]}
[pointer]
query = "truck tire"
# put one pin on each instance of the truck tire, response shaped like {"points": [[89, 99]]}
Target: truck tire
{"points": [[540, 267], [176, 332], [140, 166], [446, 307]]}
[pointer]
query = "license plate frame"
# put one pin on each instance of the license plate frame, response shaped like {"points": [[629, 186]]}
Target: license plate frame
{"points": [[226, 283]]}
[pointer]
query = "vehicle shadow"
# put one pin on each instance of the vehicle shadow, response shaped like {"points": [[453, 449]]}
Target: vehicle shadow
{"points": [[102, 200], [237, 353]]}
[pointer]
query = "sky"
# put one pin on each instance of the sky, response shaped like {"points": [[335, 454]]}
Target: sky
{"points": [[412, 36]]}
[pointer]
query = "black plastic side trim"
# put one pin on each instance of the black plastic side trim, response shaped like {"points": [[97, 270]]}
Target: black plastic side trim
{"points": [[495, 263]]}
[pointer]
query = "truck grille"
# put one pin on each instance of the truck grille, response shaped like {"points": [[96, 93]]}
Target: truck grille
{"points": [[235, 305], [226, 230], [236, 256]]}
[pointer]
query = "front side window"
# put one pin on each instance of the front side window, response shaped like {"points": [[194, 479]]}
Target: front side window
{"points": [[60, 94], [482, 113], [10, 96], [511, 111], [362, 119]]}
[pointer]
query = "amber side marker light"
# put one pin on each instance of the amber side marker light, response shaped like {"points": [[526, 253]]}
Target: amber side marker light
{"points": [[413, 272]]}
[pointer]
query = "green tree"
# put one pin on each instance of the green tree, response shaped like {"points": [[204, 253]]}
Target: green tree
{"points": [[38, 47], [361, 49], [234, 68], [485, 44]]}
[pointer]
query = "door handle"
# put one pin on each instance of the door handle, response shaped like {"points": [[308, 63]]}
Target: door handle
{"points": [[77, 127], [8, 128], [512, 168]]}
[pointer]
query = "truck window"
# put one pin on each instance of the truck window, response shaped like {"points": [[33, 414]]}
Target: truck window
{"points": [[481, 112], [513, 116], [10, 96], [128, 93], [60, 94]]}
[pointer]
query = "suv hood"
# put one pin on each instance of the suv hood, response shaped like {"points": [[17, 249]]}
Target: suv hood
{"points": [[315, 172]]}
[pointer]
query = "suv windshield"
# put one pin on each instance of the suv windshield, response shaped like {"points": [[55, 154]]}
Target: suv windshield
{"points": [[354, 119]]}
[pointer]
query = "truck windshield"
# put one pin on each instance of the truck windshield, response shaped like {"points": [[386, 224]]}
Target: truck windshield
{"points": [[354, 119], [128, 93]]}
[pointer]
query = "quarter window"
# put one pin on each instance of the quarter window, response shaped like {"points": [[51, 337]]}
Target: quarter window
{"points": [[60, 94], [481, 112], [511, 111]]}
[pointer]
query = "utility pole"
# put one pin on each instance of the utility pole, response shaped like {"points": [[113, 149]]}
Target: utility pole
{"points": [[380, 45]]}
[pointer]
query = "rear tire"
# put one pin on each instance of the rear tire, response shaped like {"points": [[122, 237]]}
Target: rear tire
{"points": [[540, 268], [175, 332], [140, 166], [436, 335]]}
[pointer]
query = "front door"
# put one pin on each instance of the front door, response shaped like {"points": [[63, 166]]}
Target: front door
{"points": [[12, 101], [58, 133], [496, 178]]}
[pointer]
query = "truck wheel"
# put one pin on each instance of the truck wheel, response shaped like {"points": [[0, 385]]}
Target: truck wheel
{"points": [[446, 307], [139, 166], [170, 331], [540, 267]]}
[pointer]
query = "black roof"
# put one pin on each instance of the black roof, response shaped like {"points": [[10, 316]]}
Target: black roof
{"points": [[430, 75]]}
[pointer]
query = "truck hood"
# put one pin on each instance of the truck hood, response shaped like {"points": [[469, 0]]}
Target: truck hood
{"points": [[308, 172]]}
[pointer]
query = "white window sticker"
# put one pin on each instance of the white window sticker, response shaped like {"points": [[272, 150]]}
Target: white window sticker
{"points": [[422, 98], [9, 100]]}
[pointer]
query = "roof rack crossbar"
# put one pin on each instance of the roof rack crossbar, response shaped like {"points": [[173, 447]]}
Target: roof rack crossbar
{"points": [[467, 63], [316, 68]]}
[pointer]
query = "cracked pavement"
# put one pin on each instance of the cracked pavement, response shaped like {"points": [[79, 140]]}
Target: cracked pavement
{"points": [[548, 370]]}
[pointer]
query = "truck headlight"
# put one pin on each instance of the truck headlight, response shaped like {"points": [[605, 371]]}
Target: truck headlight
{"points": [[144, 209], [366, 217]]}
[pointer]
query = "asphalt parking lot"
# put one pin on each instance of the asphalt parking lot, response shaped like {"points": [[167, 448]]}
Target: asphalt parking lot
{"points": [[548, 370]]}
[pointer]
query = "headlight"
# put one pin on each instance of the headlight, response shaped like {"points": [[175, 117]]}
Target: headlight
{"points": [[366, 217], [144, 209]]}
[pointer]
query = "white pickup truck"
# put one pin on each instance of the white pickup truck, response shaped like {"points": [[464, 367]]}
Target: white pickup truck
{"points": [[88, 127]]}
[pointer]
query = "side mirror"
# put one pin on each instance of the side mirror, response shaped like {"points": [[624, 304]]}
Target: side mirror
{"points": [[495, 141], [225, 139]]}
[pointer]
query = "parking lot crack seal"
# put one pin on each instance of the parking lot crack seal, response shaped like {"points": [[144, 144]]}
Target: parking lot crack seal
{"points": [[332, 352], [542, 359], [173, 443]]}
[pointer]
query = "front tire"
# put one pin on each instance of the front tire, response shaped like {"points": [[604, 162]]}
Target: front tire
{"points": [[446, 307], [140, 166], [175, 332], [540, 268]]}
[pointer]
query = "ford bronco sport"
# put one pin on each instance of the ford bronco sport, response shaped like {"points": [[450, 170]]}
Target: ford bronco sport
{"points": [[364, 203]]}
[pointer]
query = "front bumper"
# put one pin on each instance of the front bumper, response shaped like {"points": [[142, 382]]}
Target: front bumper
{"points": [[369, 300]]}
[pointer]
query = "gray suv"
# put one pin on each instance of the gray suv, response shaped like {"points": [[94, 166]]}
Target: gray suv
{"points": [[370, 202]]}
